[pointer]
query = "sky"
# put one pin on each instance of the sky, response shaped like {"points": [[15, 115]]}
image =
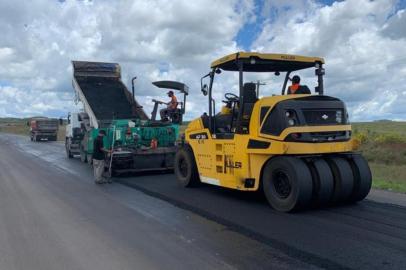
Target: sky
{"points": [[363, 44]]}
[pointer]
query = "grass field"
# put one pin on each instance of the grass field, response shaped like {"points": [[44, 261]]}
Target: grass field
{"points": [[383, 143], [384, 146]]}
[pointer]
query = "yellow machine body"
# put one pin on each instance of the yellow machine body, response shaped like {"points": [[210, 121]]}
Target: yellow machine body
{"points": [[230, 162]]}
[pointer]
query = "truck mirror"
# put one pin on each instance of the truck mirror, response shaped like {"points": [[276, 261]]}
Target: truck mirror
{"points": [[204, 89], [60, 121]]}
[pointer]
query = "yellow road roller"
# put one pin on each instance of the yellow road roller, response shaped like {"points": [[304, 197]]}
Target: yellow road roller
{"points": [[296, 148]]}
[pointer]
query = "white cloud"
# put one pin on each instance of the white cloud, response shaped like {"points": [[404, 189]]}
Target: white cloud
{"points": [[364, 50], [363, 42], [39, 41]]}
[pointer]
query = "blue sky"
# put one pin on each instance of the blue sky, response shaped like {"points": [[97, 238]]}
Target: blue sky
{"points": [[250, 31], [362, 41]]}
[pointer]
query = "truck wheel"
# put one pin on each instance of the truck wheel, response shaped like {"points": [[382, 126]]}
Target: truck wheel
{"points": [[287, 183], [83, 156], [34, 138], [362, 178], [323, 181], [31, 138], [343, 179], [185, 167]]}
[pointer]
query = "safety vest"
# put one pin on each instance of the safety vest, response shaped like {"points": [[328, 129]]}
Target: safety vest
{"points": [[293, 88]]}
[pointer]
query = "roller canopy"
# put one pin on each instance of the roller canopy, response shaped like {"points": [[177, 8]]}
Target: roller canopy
{"points": [[172, 85], [265, 62]]}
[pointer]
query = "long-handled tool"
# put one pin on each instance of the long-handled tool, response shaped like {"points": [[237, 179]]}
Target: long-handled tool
{"points": [[112, 152]]}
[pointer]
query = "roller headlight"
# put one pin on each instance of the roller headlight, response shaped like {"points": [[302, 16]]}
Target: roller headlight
{"points": [[291, 117], [339, 116]]}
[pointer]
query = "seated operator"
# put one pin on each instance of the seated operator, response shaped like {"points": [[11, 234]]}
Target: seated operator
{"points": [[296, 88], [172, 106]]}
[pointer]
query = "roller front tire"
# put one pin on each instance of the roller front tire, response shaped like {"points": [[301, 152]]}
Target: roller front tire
{"points": [[287, 183]]}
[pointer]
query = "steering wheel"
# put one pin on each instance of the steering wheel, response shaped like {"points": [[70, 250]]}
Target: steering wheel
{"points": [[230, 97]]}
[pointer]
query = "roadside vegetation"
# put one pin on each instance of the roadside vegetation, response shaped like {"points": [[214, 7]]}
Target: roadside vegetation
{"points": [[383, 143]]}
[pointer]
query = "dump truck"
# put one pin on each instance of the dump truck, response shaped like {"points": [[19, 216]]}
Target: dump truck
{"points": [[138, 143], [297, 149], [42, 128]]}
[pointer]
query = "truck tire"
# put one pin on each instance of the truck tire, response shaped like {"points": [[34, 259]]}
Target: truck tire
{"points": [[323, 181], [185, 167], [362, 177], [343, 179], [287, 183]]}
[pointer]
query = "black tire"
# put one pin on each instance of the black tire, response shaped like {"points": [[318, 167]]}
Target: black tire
{"points": [[362, 177], [343, 179], [185, 167], [34, 138], [323, 181], [287, 183], [83, 155], [31, 138]]}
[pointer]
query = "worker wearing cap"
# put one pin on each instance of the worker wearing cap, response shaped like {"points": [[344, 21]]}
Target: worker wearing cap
{"points": [[172, 106], [99, 158], [296, 88]]}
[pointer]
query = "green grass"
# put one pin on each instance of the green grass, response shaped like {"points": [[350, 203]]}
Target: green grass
{"points": [[383, 144]]}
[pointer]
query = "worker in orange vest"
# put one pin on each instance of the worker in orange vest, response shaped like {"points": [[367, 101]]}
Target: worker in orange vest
{"points": [[296, 88], [172, 106]]}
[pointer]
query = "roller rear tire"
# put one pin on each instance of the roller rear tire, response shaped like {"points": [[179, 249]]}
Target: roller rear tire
{"points": [[362, 177], [185, 167], [343, 179], [323, 182], [287, 183]]}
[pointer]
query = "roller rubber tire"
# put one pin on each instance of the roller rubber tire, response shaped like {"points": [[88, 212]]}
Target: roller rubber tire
{"points": [[323, 181], [343, 179], [362, 177], [185, 167], [287, 183]]}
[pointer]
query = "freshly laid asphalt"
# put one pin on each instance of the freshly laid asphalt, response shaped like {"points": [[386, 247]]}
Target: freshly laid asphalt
{"points": [[53, 217]]}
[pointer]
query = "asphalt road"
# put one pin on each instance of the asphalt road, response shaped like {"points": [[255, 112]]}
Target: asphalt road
{"points": [[53, 217]]}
